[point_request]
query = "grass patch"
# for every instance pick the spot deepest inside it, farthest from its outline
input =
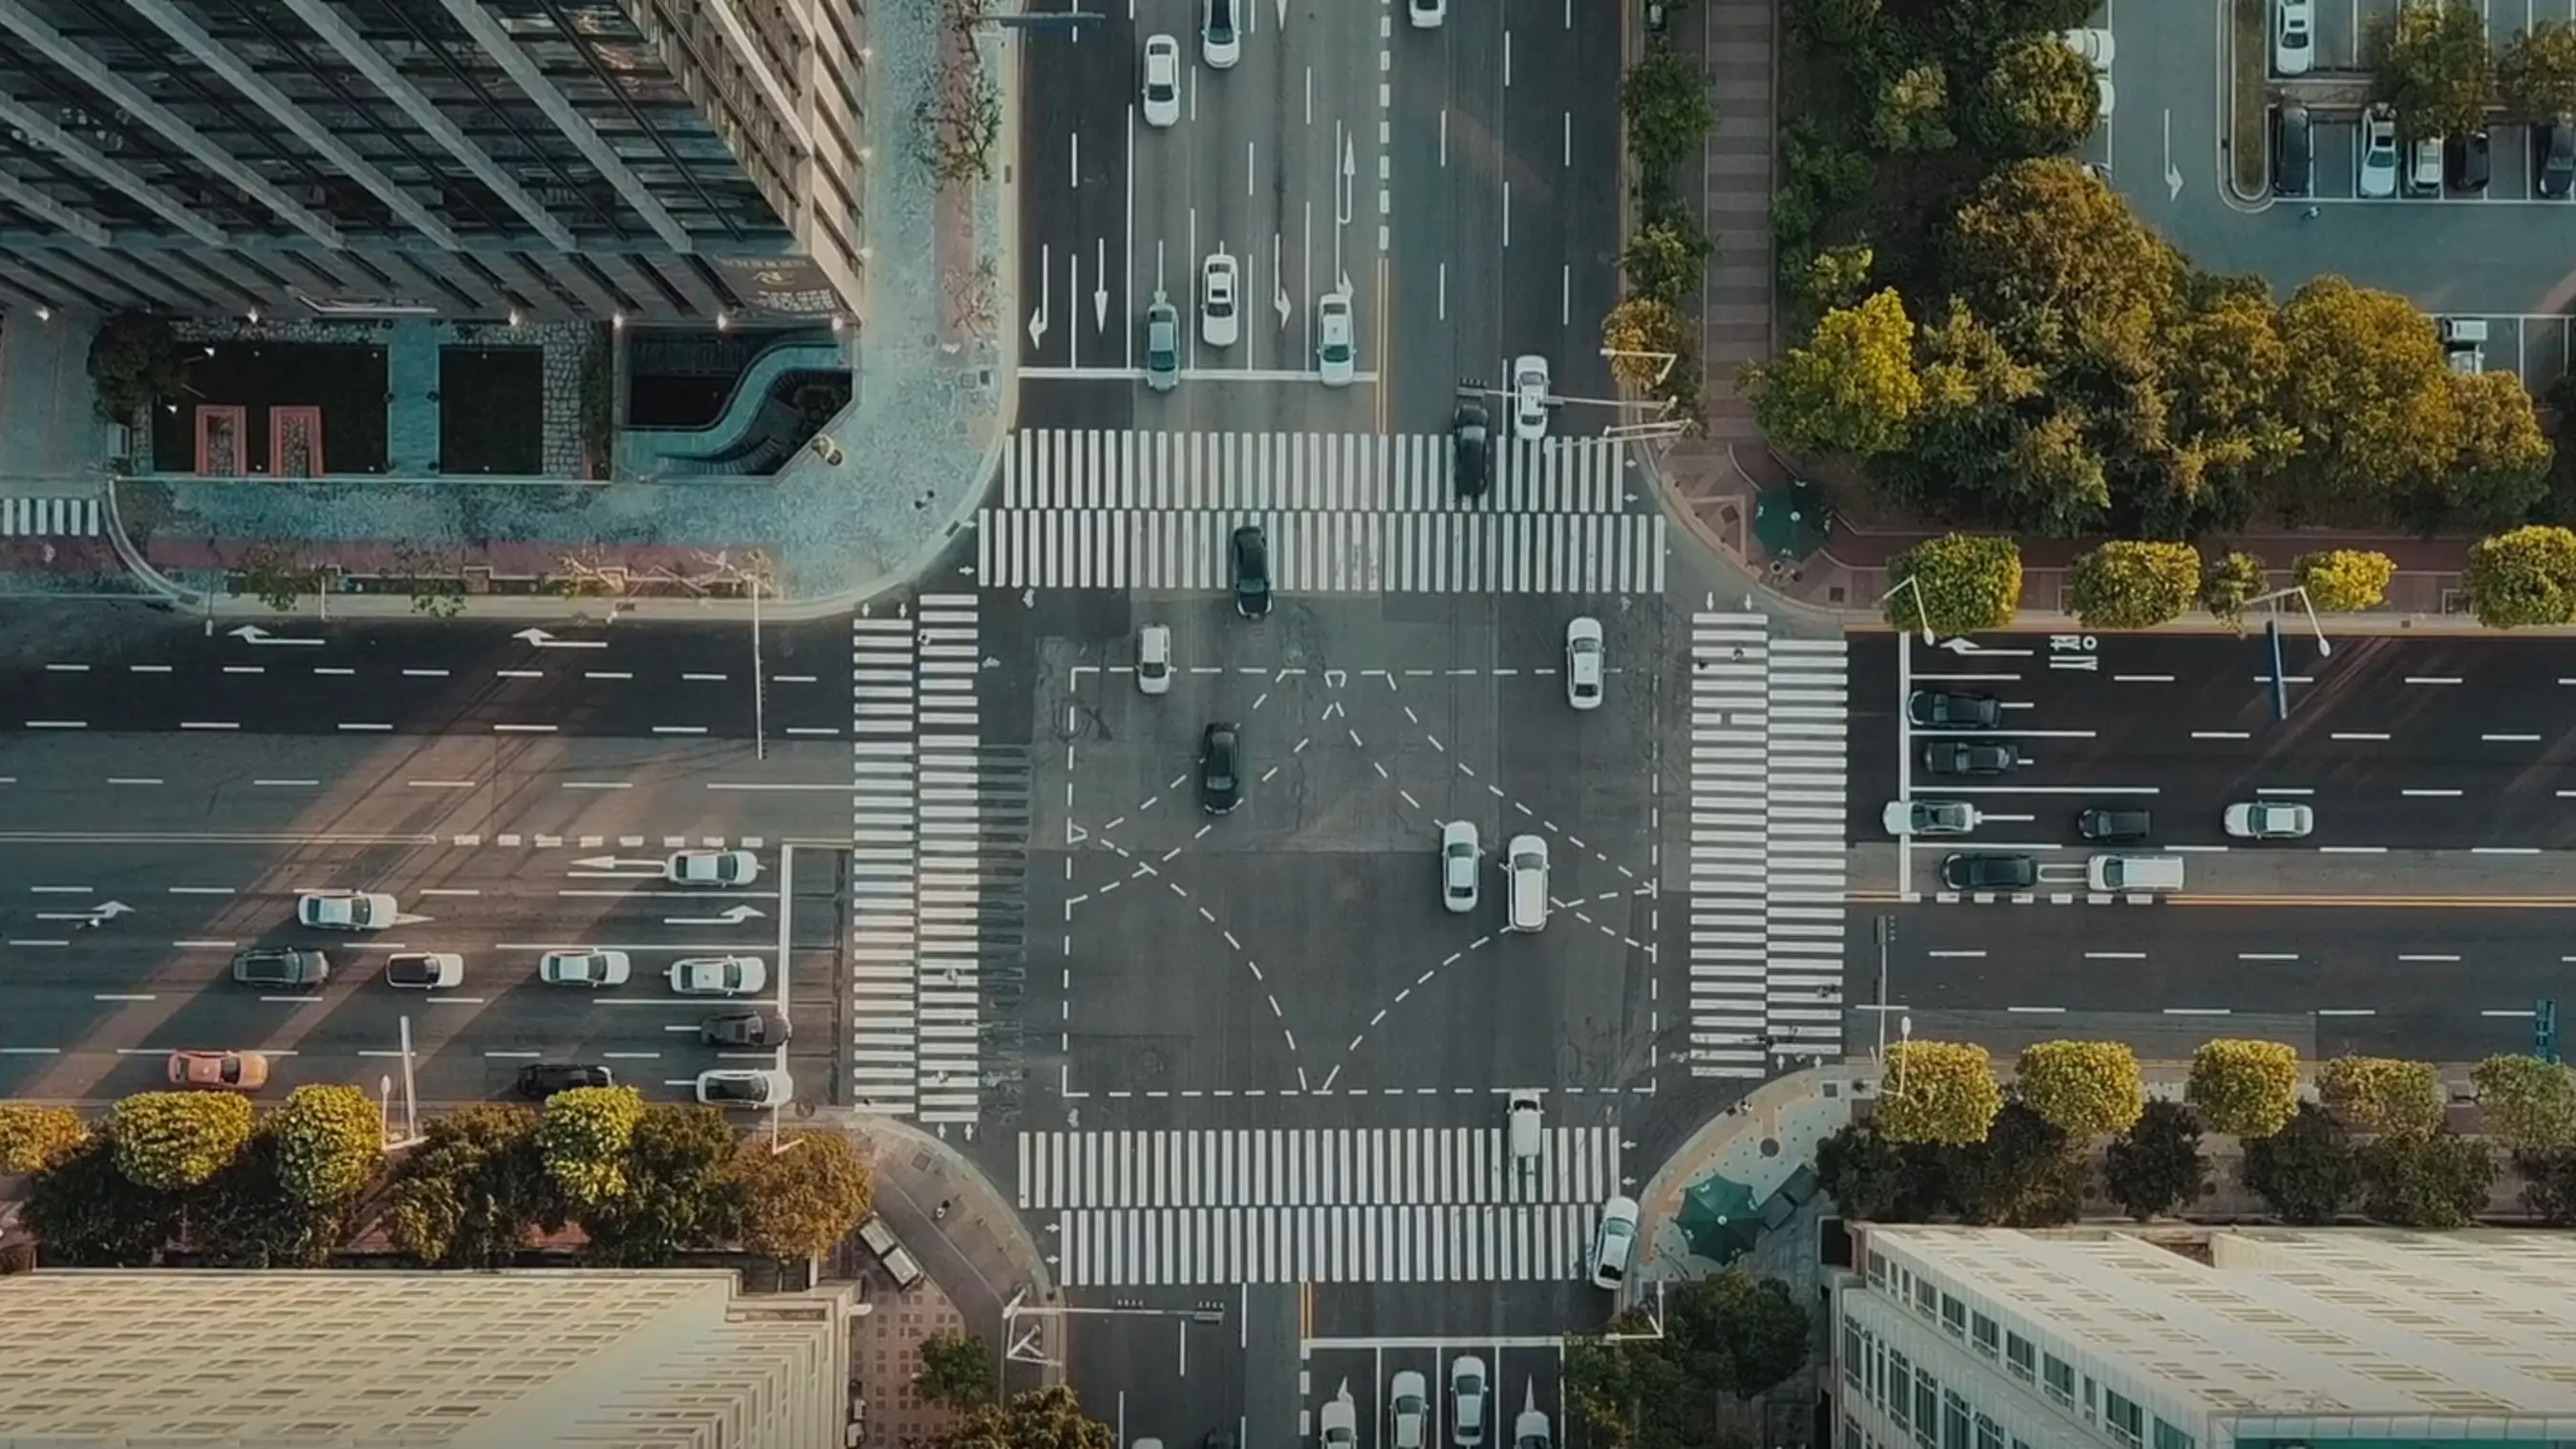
(2250, 76)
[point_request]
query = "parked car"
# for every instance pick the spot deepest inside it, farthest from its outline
(1220, 752)
(1613, 1242)
(2110, 825)
(2467, 158)
(584, 968)
(1529, 1431)
(1251, 571)
(2094, 44)
(1936, 709)
(1219, 41)
(745, 1029)
(2554, 153)
(1585, 669)
(1336, 342)
(282, 966)
(1337, 1423)
(220, 1071)
(727, 975)
(1529, 397)
(1928, 817)
(1469, 1391)
(1162, 345)
(711, 868)
(345, 910)
(1220, 320)
(2378, 153)
(1461, 857)
(1471, 448)
(2294, 37)
(2294, 150)
(1154, 659)
(745, 1087)
(1963, 757)
(425, 970)
(2424, 165)
(1426, 13)
(539, 1080)
(1408, 1399)
(1989, 871)
(1162, 80)
(2269, 820)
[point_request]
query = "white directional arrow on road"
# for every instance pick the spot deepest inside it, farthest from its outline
(611, 862)
(2173, 173)
(1279, 299)
(104, 911)
(1046, 279)
(543, 640)
(253, 634)
(1970, 646)
(1100, 292)
(733, 916)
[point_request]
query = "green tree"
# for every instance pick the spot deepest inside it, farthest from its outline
(2525, 1103)
(330, 1141)
(469, 1194)
(2525, 576)
(1963, 584)
(2369, 393)
(2436, 63)
(170, 1141)
(2022, 1175)
(1851, 389)
(1665, 101)
(2536, 75)
(2244, 1088)
(1914, 111)
(2083, 1088)
(2156, 1166)
(681, 1191)
(1938, 1091)
(2499, 464)
(2308, 1171)
(1838, 275)
(2442, 1180)
(1665, 258)
(584, 1137)
(2549, 1185)
(32, 1136)
(2383, 1095)
(86, 1213)
(956, 1370)
(2228, 583)
(2046, 253)
(1743, 1336)
(2343, 580)
(801, 1199)
(1642, 335)
(134, 362)
(246, 1216)
(1049, 1418)
(1862, 1172)
(1834, 25)
(2039, 99)
(2131, 584)
(2222, 369)
(1726, 1336)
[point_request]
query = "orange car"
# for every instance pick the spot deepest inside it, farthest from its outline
(238, 1071)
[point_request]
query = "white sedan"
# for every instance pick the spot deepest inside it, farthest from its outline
(718, 975)
(1928, 817)
(1426, 13)
(1615, 1242)
(745, 1087)
(1154, 659)
(2294, 37)
(1336, 352)
(584, 968)
(711, 868)
(1220, 315)
(2269, 820)
(345, 910)
(1162, 80)
(1529, 396)
(1219, 40)
(1459, 850)
(1584, 662)
(2378, 153)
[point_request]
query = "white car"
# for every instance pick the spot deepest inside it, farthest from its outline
(1529, 396)
(2094, 45)
(1336, 353)
(425, 970)
(711, 868)
(1154, 659)
(1929, 817)
(345, 910)
(1337, 1423)
(1162, 80)
(2378, 153)
(1529, 1431)
(1467, 1396)
(745, 1087)
(2269, 820)
(1426, 13)
(1459, 851)
(718, 975)
(1220, 312)
(2103, 95)
(1615, 1241)
(584, 968)
(2294, 37)
(1219, 40)
(1408, 1400)
(1584, 662)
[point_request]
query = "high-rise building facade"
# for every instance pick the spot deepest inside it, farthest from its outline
(2265, 1338)
(689, 161)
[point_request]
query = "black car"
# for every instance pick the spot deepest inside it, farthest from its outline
(2293, 150)
(1220, 764)
(1935, 709)
(1979, 871)
(2115, 827)
(2553, 153)
(539, 1080)
(744, 1028)
(1251, 572)
(287, 966)
(2465, 156)
(1471, 448)
(1959, 757)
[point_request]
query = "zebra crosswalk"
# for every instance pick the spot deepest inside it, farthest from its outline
(49, 517)
(1806, 860)
(1479, 1243)
(1052, 468)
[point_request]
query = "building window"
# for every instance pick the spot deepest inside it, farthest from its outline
(1990, 1435)
(2061, 1380)
(1988, 1335)
(2125, 1422)
(1900, 1375)
(2020, 1357)
(1877, 1270)
(1927, 1410)
(1855, 1351)
(1851, 1432)
(2088, 1398)
(1926, 1298)
(1954, 1422)
(2169, 1437)
(1954, 1316)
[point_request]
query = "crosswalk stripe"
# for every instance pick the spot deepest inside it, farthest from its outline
(1051, 469)
(1805, 851)
(1729, 724)
(1411, 1243)
(1311, 1167)
(1314, 552)
(49, 517)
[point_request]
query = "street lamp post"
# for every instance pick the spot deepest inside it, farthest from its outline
(1905, 1039)
(1921, 613)
(2299, 592)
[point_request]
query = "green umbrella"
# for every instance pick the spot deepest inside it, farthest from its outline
(1792, 521)
(1719, 1220)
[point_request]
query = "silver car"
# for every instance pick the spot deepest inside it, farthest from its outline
(1614, 1243)
(1584, 663)
(1162, 345)
(345, 910)
(1336, 350)
(1928, 817)
(718, 975)
(2269, 820)
(1409, 1404)
(1459, 851)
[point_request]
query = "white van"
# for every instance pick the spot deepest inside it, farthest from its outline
(2134, 872)
(1521, 1129)
(1526, 862)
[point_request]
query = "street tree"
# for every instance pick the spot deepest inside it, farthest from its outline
(1834, 25)
(86, 1213)
(2435, 62)
(1851, 389)
(2548, 1185)
(956, 1370)
(2228, 583)
(2343, 580)
(1643, 335)
(329, 1143)
(246, 1216)
(1049, 1418)
(799, 1200)
(1726, 1336)
(584, 1136)
(2083, 1088)
(2308, 1171)
(1838, 275)
(470, 1193)
(135, 361)
(2039, 98)
(2536, 75)
(2521, 578)
(1665, 100)
(1962, 583)
(171, 1141)
(2222, 369)
(2369, 393)
(2383, 1096)
(2054, 261)
(2440, 1181)
(1913, 113)
(960, 116)
(2244, 1088)
(2133, 584)
(2156, 1166)
(2499, 463)
(1739, 1335)
(1665, 258)
(33, 1136)
(2526, 1103)
(2023, 1174)
(1862, 1172)
(680, 1190)
(1938, 1091)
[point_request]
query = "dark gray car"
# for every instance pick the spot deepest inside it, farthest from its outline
(1251, 571)
(1978, 871)
(2554, 150)
(1471, 446)
(744, 1028)
(2294, 151)
(1162, 345)
(1220, 769)
(2111, 826)
(1960, 757)
(291, 967)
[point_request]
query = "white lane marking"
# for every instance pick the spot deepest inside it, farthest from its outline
(248, 669)
(2195, 1011)
(206, 724)
(2433, 956)
(2504, 850)
(2220, 735)
(1955, 955)
(67, 669)
(2356, 735)
(518, 674)
(2431, 794)
(289, 784)
(62, 890)
(164, 669)
(2036, 1010)
(791, 679)
(1941, 785)
(58, 724)
(2282, 790)
(2346, 1011)
(599, 784)
(2142, 679)
(447, 891)
(440, 784)
(606, 674)
(2115, 955)
(133, 780)
(2267, 955)
(812, 730)
(842, 788)
(203, 945)
(2352, 850)
(2432, 679)
(325, 669)
(201, 890)
(523, 729)
(703, 678)
(424, 674)
(347, 726)
(2511, 739)
(679, 729)
(2204, 849)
